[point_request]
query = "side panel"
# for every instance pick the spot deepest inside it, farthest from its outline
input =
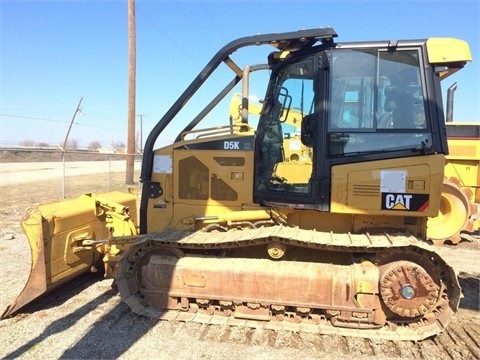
(210, 184)
(398, 187)
(201, 180)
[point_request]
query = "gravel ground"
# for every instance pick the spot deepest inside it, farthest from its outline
(86, 319)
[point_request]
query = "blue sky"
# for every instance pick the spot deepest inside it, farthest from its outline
(55, 52)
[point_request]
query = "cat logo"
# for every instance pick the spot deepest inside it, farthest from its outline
(398, 201)
(405, 202)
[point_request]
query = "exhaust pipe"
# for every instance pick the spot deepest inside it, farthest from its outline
(450, 96)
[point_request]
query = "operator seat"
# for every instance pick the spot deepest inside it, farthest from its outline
(398, 106)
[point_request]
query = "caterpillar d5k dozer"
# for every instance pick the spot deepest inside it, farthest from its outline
(232, 231)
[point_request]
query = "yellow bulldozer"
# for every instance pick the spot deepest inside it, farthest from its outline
(233, 229)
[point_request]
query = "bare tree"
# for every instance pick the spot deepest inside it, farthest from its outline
(27, 142)
(94, 145)
(72, 144)
(118, 145)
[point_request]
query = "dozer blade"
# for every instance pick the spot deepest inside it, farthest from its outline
(36, 284)
(67, 239)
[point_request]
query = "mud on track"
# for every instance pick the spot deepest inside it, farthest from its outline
(86, 318)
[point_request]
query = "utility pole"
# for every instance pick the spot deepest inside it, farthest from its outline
(131, 92)
(64, 148)
(141, 116)
(77, 110)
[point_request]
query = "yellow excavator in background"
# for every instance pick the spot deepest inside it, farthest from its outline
(231, 231)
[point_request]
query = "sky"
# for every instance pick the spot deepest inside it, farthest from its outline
(55, 53)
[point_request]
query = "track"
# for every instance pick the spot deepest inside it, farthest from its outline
(241, 299)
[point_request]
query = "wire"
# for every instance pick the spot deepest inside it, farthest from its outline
(59, 121)
(212, 19)
(33, 118)
(195, 26)
(168, 37)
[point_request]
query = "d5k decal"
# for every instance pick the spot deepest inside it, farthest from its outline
(405, 202)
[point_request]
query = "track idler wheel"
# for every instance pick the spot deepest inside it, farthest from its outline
(453, 215)
(407, 289)
(134, 274)
(419, 291)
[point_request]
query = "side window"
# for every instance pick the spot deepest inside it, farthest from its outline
(376, 102)
(400, 92)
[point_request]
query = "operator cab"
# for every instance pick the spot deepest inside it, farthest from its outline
(346, 103)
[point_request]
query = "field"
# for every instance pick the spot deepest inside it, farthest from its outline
(86, 319)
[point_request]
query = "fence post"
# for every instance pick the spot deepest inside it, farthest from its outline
(109, 170)
(63, 172)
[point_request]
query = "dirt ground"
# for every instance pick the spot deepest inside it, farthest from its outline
(86, 318)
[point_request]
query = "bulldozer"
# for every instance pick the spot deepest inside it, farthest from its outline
(233, 229)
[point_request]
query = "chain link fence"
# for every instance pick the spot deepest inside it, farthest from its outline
(67, 174)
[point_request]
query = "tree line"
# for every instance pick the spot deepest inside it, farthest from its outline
(72, 144)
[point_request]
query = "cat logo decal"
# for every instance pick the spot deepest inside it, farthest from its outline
(404, 202)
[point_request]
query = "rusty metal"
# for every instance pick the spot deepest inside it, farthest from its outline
(347, 295)
(408, 290)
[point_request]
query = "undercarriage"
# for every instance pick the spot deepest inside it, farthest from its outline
(374, 286)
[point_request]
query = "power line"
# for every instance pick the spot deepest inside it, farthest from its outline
(58, 121)
(195, 26)
(187, 55)
(33, 118)
(212, 19)
(168, 37)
